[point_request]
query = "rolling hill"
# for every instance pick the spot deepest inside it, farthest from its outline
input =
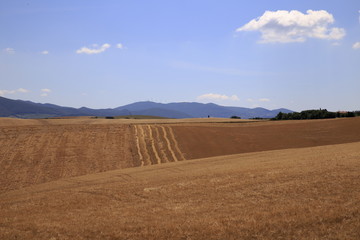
(28, 109)
(82, 178)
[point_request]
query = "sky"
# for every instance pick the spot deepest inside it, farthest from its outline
(104, 54)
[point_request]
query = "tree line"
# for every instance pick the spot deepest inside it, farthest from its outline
(314, 114)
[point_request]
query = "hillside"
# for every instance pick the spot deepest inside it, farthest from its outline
(306, 193)
(86, 178)
(27, 109)
(61, 148)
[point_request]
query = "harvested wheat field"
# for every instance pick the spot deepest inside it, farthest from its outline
(179, 179)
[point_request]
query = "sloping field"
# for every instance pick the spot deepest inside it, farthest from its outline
(156, 144)
(305, 193)
(36, 154)
(39, 151)
(206, 140)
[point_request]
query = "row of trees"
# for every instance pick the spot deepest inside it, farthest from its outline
(314, 114)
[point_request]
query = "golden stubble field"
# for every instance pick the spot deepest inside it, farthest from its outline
(179, 179)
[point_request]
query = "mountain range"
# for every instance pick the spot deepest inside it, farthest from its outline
(28, 109)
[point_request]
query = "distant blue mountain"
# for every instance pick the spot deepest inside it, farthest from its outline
(200, 110)
(27, 109)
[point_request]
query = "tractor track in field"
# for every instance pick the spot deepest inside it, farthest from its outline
(141, 158)
(152, 141)
(36, 152)
(156, 144)
(172, 136)
(168, 144)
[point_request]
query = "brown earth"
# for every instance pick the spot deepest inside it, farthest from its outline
(222, 139)
(37, 154)
(305, 193)
(297, 191)
(38, 151)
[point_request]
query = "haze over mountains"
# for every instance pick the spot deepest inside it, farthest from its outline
(28, 109)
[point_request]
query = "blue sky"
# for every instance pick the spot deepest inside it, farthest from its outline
(103, 54)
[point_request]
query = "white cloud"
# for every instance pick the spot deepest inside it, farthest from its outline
(258, 100)
(214, 96)
(45, 52)
(294, 26)
(4, 92)
(94, 50)
(22, 90)
(9, 50)
(119, 45)
(356, 45)
(45, 92)
(7, 92)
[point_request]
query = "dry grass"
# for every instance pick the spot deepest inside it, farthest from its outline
(38, 151)
(37, 154)
(308, 193)
(295, 192)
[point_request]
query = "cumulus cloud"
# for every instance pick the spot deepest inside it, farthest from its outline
(258, 100)
(45, 52)
(7, 92)
(22, 90)
(95, 50)
(214, 96)
(356, 45)
(9, 50)
(120, 46)
(293, 26)
(45, 92)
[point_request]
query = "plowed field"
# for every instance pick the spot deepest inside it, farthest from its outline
(91, 179)
(38, 151)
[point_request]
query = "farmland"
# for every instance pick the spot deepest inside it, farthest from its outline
(89, 178)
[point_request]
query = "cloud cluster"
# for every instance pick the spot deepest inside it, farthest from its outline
(95, 50)
(6, 92)
(9, 50)
(356, 45)
(45, 92)
(214, 96)
(294, 26)
(258, 100)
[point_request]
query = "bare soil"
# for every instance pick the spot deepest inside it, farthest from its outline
(207, 140)
(89, 178)
(305, 193)
(41, 153)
